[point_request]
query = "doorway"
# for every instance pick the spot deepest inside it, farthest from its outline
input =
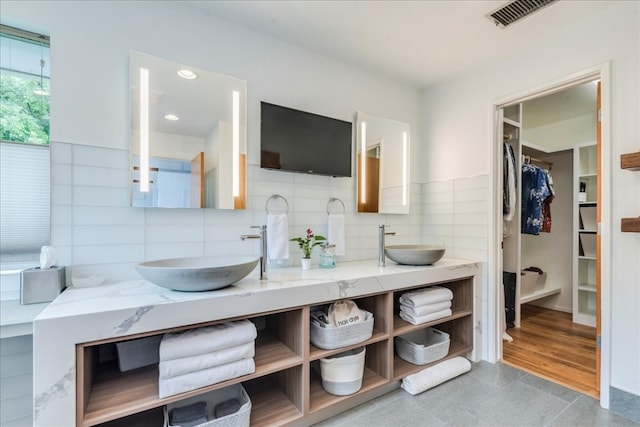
(495, 292)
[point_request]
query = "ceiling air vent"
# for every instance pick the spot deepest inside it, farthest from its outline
(516, 10)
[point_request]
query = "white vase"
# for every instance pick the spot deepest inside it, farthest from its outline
(306, 263)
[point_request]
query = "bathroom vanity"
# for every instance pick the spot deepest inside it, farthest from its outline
(72, 386)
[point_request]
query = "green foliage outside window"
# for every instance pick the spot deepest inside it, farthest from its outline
(24, 115)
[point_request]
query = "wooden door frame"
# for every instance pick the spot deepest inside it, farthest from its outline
(493, 340)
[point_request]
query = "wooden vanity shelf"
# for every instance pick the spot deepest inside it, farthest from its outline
(285, 388)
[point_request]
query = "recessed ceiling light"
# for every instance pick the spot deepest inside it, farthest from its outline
(187, 74)
(171, 117)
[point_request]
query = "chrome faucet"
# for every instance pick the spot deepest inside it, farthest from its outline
(381, 233)
(262, 230)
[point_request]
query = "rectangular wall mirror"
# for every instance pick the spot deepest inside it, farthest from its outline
(188, 136)
(383, 164)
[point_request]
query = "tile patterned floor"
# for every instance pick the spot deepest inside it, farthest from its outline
(491, 395)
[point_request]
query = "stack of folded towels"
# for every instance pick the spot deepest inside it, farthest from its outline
(425, 305)
(203, 356)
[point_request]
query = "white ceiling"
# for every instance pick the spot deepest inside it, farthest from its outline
(417, 42)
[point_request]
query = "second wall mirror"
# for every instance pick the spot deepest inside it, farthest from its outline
(188, 136)
(383, 164)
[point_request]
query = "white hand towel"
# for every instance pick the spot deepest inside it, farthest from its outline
(435, 375)
(421, 310)
(193, 380)
(184, 365)
(417, 320)
(336, 233)
(207, 339)
(278, 236)
(426, 296)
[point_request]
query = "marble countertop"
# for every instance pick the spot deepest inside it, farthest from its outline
(285, 287)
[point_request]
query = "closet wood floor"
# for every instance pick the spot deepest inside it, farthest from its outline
(549, 345)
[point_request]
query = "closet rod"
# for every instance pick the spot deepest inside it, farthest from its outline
(529, 159)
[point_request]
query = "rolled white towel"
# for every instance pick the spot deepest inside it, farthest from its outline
(435, 375)
(193, 380)
(417, 320)
(184, 365)
(426, 296)
(206, 339)
(421, 310)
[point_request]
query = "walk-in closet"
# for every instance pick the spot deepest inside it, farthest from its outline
(549, 235)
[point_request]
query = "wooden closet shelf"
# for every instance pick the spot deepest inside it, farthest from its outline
(630, 161)
(630, 225)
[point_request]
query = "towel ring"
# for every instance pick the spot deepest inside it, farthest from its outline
(333, 199)
(274, 197)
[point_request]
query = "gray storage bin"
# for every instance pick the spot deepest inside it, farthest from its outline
(342, 373)
(241, 418)
(136, 353)
(423, 346)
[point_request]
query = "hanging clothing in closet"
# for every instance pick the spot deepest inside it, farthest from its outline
(509, 183)
(536, 194)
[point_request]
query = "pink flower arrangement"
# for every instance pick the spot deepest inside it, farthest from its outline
(309, 242)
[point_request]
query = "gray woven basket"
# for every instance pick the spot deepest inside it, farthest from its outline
(332, 337)
(423, 346)
(241, 418)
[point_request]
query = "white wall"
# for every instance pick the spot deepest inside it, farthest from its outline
(457, 143)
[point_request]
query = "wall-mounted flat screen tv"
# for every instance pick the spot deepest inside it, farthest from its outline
(298, 141)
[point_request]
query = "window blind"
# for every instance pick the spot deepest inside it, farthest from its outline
(24, 201)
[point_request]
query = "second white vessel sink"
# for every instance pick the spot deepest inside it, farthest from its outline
(414, 254)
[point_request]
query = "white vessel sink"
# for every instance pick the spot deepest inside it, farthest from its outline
(198, 273)
(414, 254)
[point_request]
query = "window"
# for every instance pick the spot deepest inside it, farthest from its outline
(24, 145)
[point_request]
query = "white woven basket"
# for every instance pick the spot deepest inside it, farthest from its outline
(332, 337)
(423, 346)
(241, 418)
(342, 373)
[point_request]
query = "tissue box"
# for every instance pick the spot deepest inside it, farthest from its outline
(41, 285)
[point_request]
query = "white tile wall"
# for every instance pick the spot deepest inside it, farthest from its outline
(16, 390)
(456, 213)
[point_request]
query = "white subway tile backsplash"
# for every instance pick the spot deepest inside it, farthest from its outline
(174, 217)
(108, 254)
(89, 215)
(61, 236)
(60, 152)
(86, 235)
(173, 233)
(100, 176)
(97, 230)
(100, 157)
(16, 386)
(155, 251)
(100, 196)
(61, 174)
(61, 194)
(15, 364)
(61, 215)
(15, 408)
